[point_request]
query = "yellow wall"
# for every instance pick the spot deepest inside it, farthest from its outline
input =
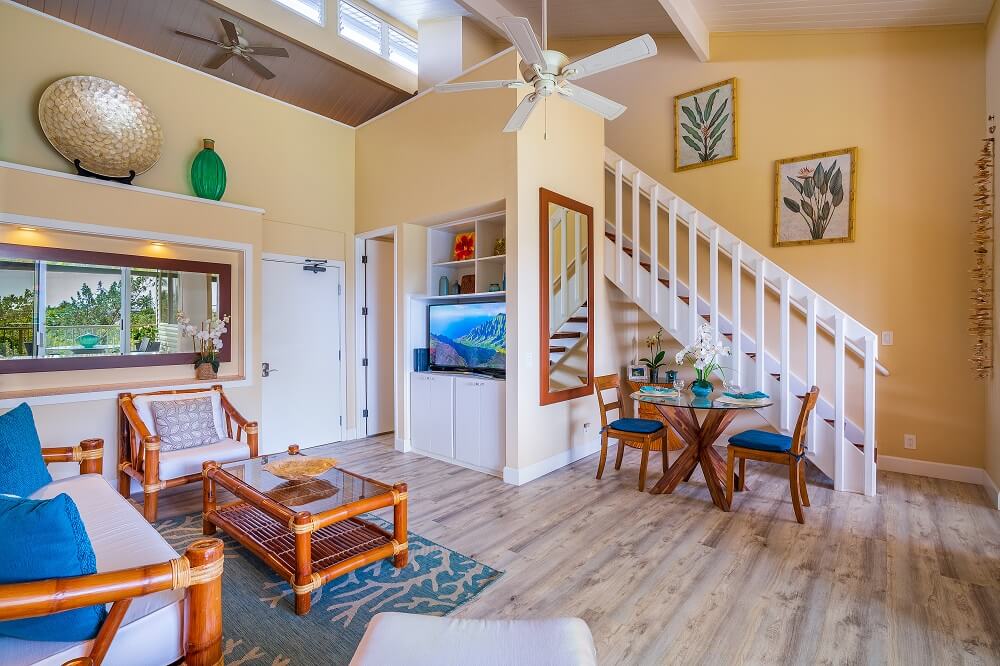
(296, 165)
(993, 390)
(912, 101)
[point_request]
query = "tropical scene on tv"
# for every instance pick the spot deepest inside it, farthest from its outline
(470, 335)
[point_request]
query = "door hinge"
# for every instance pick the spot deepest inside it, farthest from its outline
(364, 312)
(364, 363)
(339, 357)
(364, 413)
(364, 258)
(340, 419)
(340, 291)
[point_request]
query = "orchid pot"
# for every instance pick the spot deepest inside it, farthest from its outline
(207, 343)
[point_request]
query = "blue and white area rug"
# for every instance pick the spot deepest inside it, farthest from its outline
(259, 620)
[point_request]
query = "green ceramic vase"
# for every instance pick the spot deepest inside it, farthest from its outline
(208, 173)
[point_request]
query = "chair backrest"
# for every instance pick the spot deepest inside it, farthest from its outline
(606, 383)
(799, 435)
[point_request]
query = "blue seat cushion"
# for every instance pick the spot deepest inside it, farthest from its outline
(22, 470)
(638, 426)
(43, 539)
(761, 440)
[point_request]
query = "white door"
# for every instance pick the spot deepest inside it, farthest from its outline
(378, 319)
(301, 355)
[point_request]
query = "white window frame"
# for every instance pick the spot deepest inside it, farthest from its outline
(285, 4)
(384, 27)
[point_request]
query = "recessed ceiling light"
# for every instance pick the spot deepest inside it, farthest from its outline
(28, 228)
(156, 243)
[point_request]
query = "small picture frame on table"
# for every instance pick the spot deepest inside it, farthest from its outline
(638, 373)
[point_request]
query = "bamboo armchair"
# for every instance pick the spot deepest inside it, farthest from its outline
(139, 448)
(198, 572)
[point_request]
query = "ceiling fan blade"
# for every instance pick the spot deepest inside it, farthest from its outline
(232, 34)
(259, 68)
(218, 60)
(523, 38)
(198, 37)
(521, 113)
(600, 105)
(477, 85)
(269, 51)
(622, 54)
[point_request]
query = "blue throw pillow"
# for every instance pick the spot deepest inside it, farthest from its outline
(43, 539)
(22, 470)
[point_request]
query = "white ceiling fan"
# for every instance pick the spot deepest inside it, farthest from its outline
(550, 72)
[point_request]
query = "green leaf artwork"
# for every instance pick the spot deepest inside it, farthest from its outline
(821, 192)
(706, 125)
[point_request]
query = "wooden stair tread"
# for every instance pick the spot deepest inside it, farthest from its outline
(566, 335)
(556, 350)
(577, 320)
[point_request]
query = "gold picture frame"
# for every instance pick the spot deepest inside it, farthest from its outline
(796, 218)
(688, 127)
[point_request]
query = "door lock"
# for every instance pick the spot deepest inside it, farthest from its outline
(266, 369)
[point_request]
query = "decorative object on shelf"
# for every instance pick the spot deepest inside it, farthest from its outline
(456, 289)
(638, 373)
(705, 126)
(981, 311)
(500, 247)
(88, 340)
(421, 359)
(814, 198)
(465, 246)
(208, 173)
(443, 285)
(704, 356)
(207, 343)
(300, 468)
(494, 286)
(468, 284)
(100, 126)
(655, 360)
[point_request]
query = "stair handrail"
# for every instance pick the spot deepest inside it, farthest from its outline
(856, 333)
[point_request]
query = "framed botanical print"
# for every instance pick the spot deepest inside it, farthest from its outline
(705, 126)
(814, 198)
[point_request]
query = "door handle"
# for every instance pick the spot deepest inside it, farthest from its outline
(266, 369)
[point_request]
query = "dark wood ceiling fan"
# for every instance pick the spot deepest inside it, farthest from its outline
(235, 44)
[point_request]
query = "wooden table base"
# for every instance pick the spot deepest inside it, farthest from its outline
(699, 439)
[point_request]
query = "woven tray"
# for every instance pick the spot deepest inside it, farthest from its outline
(300, 467)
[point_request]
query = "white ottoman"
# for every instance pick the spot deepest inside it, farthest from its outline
(404, 639)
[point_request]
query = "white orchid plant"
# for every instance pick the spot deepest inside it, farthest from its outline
(207, 338)
(704, 355)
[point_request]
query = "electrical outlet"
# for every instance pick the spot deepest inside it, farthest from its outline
(586, 427)
(909, 441)
(886, 338)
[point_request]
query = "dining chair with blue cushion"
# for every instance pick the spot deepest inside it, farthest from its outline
(642, 434)
(775, 448)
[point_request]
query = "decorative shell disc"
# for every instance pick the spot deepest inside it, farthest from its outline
(101, 123)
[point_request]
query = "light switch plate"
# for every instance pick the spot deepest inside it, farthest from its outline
(886, 338)
(909, 441)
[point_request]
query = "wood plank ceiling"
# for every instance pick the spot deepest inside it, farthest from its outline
(747, 15)
(307, 78)
(596, 18)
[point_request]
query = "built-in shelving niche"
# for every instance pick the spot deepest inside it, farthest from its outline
(487, 267)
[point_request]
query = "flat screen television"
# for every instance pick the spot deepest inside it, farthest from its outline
(468, 337)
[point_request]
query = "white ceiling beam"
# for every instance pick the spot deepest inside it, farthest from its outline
(490, 11)
(690, 24)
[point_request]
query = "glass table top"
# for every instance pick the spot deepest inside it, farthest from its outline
(687, 399)
(323, 491)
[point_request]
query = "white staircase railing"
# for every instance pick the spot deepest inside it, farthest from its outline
(844, 450)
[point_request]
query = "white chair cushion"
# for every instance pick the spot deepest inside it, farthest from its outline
(182, 462)
(424, 640)
(151, 634)
(144, 409)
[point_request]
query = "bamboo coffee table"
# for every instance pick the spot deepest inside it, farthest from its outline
(306, 530)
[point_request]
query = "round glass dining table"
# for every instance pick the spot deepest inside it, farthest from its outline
(680, 410)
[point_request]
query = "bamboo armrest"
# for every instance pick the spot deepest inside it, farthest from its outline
(89, 453)
(44, 597)
(134, 420)
(234, 413)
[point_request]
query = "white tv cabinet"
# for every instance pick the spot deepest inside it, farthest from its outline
(460, 419)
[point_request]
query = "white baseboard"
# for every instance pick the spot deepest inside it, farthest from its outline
(403, 445)
(519, 476)
(991, 489)
(936, 470)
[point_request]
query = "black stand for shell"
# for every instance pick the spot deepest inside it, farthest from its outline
(126, 180)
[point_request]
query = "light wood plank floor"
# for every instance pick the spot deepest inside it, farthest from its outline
(911, 576)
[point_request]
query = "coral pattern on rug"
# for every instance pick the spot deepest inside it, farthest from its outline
(259, 618)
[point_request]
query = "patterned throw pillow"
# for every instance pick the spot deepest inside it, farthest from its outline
(184, 424)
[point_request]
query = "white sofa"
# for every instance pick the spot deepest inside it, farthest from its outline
(152, 631)
(424, 640)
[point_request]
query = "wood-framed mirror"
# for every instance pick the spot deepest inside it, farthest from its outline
(566, 323)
